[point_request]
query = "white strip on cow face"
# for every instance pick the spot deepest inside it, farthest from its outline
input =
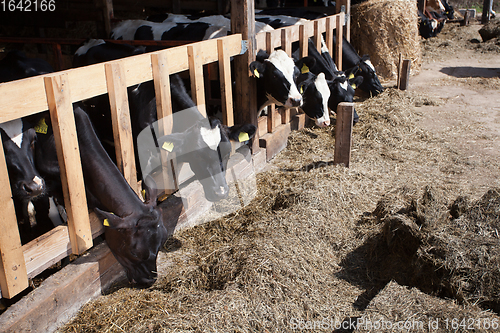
(286, 65)
(369, 63)
(14, 129)
(87, 46)
(343, 85)
(211, 136)
(324, 90)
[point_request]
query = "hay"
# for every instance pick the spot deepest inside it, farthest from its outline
(383, 30)
(415, 311)
(444, 249)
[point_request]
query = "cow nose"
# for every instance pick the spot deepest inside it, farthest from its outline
(295, 101)
(33, 188)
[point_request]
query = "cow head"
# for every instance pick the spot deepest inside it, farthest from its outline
(342, 90)
(371, 82)
(206, 147)
(18, 139)
(136, 239)
(277, 73)
(315, 93)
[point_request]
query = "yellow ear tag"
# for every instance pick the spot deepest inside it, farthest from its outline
(106, 222)
(41, 127)
(301, 90)
(351, 76)
(243, 137)
(304, 69)
(168, 146)
(143, 192)
(256, 73)
(353, 86)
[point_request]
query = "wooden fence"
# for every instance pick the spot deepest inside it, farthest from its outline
(56, 92)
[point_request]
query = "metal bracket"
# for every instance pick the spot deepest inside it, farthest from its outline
(244, 46)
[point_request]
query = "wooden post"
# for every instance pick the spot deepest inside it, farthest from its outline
(196, 75)
(161, 78)
(108, 15)
(331, 23)
(404, 77)
(122, 127)
(338, 45)
(343, 133)
(68, 155)
(13, 275)
(271, 109)
(317, 35)
(226, 89)
(303, 41)
(243, 21)
(400, 62)
(485, 18)
(286, 45)
(345, 7)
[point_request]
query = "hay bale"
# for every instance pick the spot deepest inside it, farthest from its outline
(412, 310)
(385, 28)
(490, 30)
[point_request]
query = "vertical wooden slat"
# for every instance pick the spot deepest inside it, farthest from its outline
(196, 75)
(161, 78)
(330, 25)
(271, 109)
(68, 154)
(343, 133)
(405, 74)
(243, 21)
(225, 83)
(346, 4)
(399, 70)
(338, 45)
(13, 275)
(122, 127)
(286, 45)
(317, 35)
(303, 41)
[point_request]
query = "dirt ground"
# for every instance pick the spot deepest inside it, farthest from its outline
(312, 251)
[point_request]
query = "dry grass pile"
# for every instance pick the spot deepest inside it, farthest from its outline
(447, 249)
(409, 309)
(383, 30)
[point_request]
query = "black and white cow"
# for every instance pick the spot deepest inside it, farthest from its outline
(276, 80)
(360, 66)
(18, 139)
(94, 51)
(204, 163)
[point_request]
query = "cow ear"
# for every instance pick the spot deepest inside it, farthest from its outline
(150, 191)
(305, 64)
(172, 143)
(257, 68)
(241, 133)
(110, 220)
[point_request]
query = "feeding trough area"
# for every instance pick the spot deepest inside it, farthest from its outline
(301, 242)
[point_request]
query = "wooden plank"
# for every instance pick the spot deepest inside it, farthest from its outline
(262, 126)
(318, 28)
(13, 277)
(243, 21)
(68, 154)
(285, 115)
(275, 142)
(122, 127)
(344, 6)
(343, 134)
(60, 297)
(400, 62)
(331, 24)
(286, 43)
(338, 45)
(196, 75)
(161, 76)
(16, 103)
(405, 74)
(226, 89)
(271, 109)
(51, 247)
(303, 41)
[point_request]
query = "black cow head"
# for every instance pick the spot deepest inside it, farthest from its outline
(206, 147)
(18, 140)
(342, 90)
(277, 73)
(136, 239)
(371, 82)
(316, 93)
